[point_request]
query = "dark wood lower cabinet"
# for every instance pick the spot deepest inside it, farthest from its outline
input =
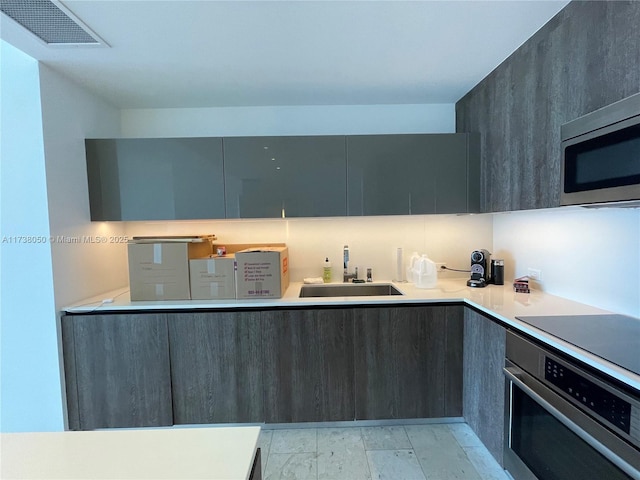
(484, 384)
(453, 361)
(216, 367)
(117, 371)
(308, 365)
(408, 362)
(273, 366)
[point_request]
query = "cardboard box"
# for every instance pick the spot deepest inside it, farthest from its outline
(212, 277)
(262, 272)
(237, 247)
(160, 271)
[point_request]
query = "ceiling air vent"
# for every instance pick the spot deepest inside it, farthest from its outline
(50, 21)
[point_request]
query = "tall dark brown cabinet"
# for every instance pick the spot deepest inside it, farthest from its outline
(586, 57)
(484, 384)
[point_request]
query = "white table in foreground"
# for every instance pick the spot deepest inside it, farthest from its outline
(219, 453)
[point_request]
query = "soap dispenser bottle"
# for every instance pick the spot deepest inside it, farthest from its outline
(326, 271)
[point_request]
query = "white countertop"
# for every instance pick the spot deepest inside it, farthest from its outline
(500, 302)
(219, 453)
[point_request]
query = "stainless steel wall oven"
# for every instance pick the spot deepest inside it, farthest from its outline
(563, 422)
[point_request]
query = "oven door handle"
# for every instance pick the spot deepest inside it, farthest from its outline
(514, 375)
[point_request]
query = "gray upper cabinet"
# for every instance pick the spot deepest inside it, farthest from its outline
(273, 177)
(155, 178)
(412, 174)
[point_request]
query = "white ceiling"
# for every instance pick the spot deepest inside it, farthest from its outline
(205, 53)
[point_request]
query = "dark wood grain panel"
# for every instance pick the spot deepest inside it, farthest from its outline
(216, 367)
(483, 392)
(70, 376)
(586, 57)
(453, 361)
(400, 362)
(308, 365)
(122, 366)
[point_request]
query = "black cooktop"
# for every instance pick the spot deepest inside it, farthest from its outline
(615, 338)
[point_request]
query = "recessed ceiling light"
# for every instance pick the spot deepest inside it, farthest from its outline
(51, 22)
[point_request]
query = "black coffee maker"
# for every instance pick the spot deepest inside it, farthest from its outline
(480, 269)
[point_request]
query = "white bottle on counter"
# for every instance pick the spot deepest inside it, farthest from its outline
(411, 268)
(426, 273)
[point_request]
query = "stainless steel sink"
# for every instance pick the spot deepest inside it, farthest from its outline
(349, 290)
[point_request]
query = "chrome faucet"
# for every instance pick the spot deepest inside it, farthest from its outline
(346, 277)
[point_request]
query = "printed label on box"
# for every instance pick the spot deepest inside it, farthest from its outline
(262, 273)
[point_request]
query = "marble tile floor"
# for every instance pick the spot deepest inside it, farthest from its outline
(399, 452)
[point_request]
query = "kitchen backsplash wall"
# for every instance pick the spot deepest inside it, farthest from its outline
(372, 240)
(588, 255)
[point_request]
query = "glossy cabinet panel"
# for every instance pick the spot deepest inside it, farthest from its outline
(273, 177)
(155, 178)
(390, 175)
(409, 174)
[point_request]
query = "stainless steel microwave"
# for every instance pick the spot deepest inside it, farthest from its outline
(601, 155)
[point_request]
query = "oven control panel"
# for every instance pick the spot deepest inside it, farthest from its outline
(603, 403)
